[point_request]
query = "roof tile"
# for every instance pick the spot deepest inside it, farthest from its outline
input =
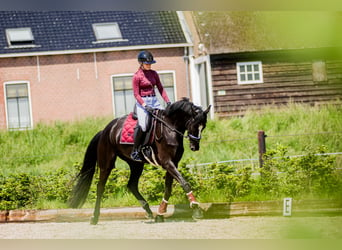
(72, 30)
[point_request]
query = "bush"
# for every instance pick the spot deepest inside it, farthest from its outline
(21, 190)
(17, 191)
(311, 175)
(55, 186)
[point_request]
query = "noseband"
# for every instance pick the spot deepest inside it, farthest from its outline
(195, 138)
(190, 136)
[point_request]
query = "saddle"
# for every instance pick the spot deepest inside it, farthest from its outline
(127, 137)
(127, 133)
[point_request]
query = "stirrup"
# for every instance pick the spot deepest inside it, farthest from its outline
(147, 152)
(135, 156)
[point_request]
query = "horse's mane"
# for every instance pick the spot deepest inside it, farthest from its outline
(182, 105)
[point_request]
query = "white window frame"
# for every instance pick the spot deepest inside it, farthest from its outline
(112, 88)
(174, 84)
(157, 92)
(245, 64)
(102, 38)
(22, 36)
(29, 103)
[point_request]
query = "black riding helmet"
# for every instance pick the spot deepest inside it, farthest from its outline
(146, 57)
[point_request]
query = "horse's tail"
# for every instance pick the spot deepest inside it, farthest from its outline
(84, 178)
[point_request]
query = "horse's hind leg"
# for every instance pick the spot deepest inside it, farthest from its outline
(104, 174)
(136, 171)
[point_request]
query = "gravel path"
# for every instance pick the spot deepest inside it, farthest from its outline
(233, 228)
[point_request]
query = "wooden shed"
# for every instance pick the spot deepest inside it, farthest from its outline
(261, 58)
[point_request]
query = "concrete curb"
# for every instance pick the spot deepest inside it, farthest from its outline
(210, 211)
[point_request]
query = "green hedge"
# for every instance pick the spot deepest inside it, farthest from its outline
(309, 176)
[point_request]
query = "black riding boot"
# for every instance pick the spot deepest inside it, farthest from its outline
(139, 137)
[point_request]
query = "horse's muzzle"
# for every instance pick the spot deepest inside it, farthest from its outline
(194, 147)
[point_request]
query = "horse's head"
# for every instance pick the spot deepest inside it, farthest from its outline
(188, 117)
(195, 126)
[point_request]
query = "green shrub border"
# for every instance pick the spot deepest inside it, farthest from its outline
(309, 176)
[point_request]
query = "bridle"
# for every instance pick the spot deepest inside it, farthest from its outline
(195, 138)
(189, 136)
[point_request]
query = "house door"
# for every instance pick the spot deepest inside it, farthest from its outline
(203, 83)
(201, 87)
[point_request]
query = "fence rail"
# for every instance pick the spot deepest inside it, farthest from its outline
(253, 160)
(261, 137)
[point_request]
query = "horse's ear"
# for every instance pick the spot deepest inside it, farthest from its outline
(207, 110)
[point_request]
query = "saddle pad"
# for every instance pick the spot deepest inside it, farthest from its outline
(127, 133)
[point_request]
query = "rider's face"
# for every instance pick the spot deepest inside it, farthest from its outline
(146, 66)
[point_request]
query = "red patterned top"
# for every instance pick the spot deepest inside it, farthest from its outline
(144, 82)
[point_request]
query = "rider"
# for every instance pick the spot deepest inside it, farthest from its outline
(144, 81)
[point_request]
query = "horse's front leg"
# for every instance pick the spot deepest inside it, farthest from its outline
(163, 205)
(174, 173)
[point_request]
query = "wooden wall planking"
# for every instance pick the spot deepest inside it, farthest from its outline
(284, 82)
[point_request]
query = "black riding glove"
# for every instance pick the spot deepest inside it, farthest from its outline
(149, 109)
(168, 104)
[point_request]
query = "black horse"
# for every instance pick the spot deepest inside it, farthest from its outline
(167, 150)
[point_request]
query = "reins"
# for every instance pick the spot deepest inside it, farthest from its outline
(168, 126)
(189, 136)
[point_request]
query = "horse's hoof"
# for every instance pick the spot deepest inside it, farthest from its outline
(197, 212)
(93, 221)
(149, 216)
(159, 218)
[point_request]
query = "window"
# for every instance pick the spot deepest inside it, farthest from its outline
(20, 37)
(107, 32)
(18, 106)
(123, 93)
(167, 79)
(249, 72)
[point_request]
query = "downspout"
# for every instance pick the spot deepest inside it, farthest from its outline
(38, 69)
(95, 66)
(187, 79)
(187, 51)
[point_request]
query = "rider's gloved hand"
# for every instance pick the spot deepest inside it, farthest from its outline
(168, 104)
(149, 109)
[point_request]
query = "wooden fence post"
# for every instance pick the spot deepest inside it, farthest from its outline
(262, 146)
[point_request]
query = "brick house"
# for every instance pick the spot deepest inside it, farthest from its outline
(68, 65)
(270, 57)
